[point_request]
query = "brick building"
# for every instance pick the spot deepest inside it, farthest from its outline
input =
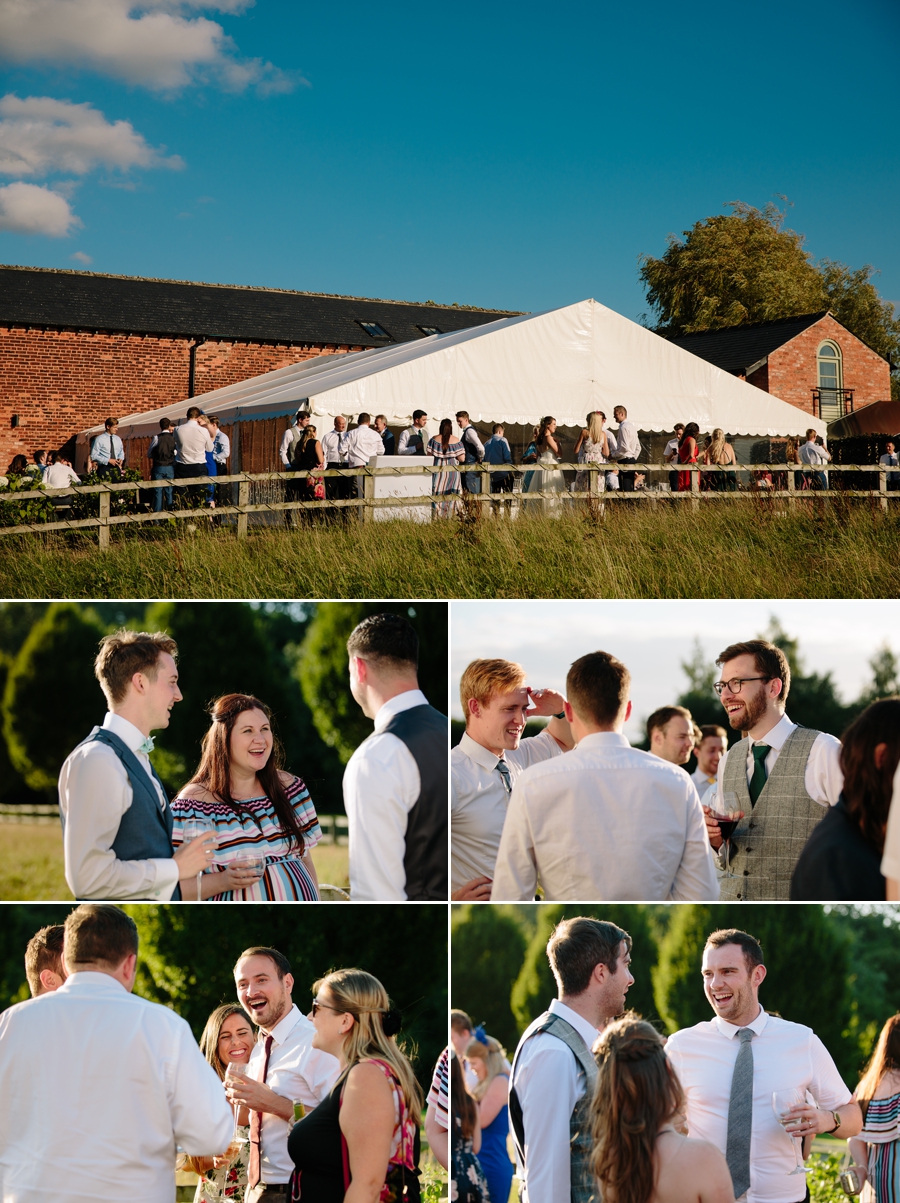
(812, 362)
(76, 347)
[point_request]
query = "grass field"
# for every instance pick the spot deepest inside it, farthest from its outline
(31, 869)
(743, 547)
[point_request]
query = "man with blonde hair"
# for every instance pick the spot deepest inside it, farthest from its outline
(488, 759)
(117, 822)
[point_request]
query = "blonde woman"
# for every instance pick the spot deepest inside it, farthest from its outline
(487, 1061)
(720, 452)
(592, 448)
(876, 1151)
(638, 1155)
(228, 1037)
(362, 1136)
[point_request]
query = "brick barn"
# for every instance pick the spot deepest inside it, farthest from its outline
(78, 347)
(812, 362)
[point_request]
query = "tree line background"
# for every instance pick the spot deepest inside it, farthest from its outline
(187, 956)
(293, 656)
(813, 701)
(835, 969)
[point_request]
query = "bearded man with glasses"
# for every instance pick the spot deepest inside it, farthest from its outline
(784, 776)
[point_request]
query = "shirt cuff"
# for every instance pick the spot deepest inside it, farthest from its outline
(166, 878)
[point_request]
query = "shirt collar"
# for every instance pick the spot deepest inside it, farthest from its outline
(126, 731)
(777, 737)
(606, 739)
(585, 1030)
(479, 753)
(731, 1030)
(87, 979)
(403, 701)
(283, 1027)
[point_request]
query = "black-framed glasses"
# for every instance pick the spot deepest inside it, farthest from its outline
(317, 1006)
(735, 684)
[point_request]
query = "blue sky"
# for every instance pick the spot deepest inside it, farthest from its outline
(502, 155)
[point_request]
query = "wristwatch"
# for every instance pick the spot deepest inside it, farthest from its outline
(562, 714)
(836, 1116)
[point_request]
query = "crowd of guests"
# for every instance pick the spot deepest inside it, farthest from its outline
(576, 813)
(103, 1095)
(596, 1104)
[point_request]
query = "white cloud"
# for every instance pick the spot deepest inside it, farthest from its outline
(30, 209)
(153, 44)
(81, 257)
(40, 135)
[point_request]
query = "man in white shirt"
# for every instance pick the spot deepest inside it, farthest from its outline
(107, 450)
(782, 775)
(709, 751)
(474, 451)
(60, 474)
(816, 456)
(605, 822)
(553, 1070)
(98, 1086)
(117, 822)
(363, 443)
(45, 968)
(412, 439)
(890, 459)
(670, 733)
(487, 761)
(283, 1067)
(628, 447)
(334, 449)
(192, 442)
(395, 783)
(730, 1104)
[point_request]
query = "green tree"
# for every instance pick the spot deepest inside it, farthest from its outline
(822, 1000)
(700, 697)
(813, 700)
(885, 676)
(534, 987)
(488, 949)
(873, 953)
(19, 924)
(51, 699)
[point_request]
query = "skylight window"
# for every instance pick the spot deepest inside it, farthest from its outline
(374, 330)
(430, 330)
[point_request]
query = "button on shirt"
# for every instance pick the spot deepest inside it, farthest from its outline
(381, 786)
(362, 444)
(94, 793)
(296, 1071)
(97, 1086)
(785, 1056)
(549, 1082)
(334, 447)
(478, 801)
(823, 778)
(605, 823)
(192, 442)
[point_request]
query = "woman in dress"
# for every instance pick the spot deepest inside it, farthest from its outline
(228, 1037)
(362, 1136)
(592, 448)
(719, 451)
(550, 479)
(687, 454)
(467, 1181)
(488, 1061)
(876, 1151)
(446, 451)
(638, 1155)
(311, 458)
(259, 811)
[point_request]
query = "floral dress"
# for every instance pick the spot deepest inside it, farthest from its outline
(256, 829)
(229, 1181)
(467, 1181)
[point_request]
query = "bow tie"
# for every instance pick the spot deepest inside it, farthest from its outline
(147, 746)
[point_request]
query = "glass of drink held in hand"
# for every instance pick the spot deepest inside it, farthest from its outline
(728, 814)
(195, 829)
(251, 862)
(782, 1101)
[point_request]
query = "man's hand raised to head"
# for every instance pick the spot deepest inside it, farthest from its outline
(546, 702)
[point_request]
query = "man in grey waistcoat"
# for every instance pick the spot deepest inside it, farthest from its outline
(783, 776)
(116, 818)
(553, 1070)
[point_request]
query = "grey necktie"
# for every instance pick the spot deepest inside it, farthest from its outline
(740, 1116)
(503, 770)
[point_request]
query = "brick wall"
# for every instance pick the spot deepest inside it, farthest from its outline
(793, 374)
(60, 381)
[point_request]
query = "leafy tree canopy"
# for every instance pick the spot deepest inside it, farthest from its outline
(488, 947)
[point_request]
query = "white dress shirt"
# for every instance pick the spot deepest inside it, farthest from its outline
(407, 436)
(814, 455)
(605, 823)
(362, 443)
(702, 781)
(94, 793)
(192, 442)
(97, 1087)
(628, 445)
(334, 446)
(296, 1071)
(221, 447)
(786, 1056)
(58, 476)
(823, 778)
(478, 801)
(890, 865)
(549, 1082)
(381, 786)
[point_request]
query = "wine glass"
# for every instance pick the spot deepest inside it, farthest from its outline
(781, 1101)
(728, 814)
(194, 829)
(254, 862)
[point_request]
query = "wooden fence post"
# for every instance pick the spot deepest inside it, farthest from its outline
(369, 498)
(243, 499)
(882, 488)
(103, 529)
(695, 489)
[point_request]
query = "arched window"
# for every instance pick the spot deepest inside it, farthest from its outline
(831, 381)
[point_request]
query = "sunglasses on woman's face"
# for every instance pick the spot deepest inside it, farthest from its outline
(317, 1006)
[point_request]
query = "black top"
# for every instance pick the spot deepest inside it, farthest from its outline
(307, 459)
(837, 864)
(314, 1145)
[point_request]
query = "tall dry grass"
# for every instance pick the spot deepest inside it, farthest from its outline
(743, 547)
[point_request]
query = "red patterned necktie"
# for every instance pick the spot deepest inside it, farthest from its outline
(256, 1125)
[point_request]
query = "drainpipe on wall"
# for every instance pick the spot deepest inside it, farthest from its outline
(192, 361)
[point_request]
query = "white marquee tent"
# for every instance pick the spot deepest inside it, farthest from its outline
(565, 362)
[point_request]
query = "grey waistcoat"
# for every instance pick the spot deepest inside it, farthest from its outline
(584, 1188)
(770, 837)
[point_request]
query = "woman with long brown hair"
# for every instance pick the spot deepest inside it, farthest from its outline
(266, 825)
(469, 1182)
(876, 1151)
(310, 457)
(639, 1156)
(687, 454)
(550, 479)
(228, 1038)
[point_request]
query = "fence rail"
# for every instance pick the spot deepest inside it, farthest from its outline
(746, 477)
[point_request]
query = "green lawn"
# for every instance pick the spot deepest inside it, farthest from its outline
(31, 869)
(746, 547)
